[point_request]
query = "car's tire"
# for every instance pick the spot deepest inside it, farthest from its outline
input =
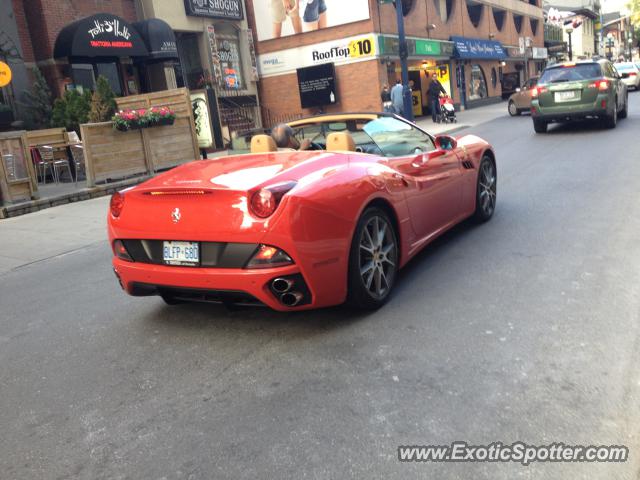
(611, 121)
(513, 110)
(540, 126)
(373, 261)
(625, 111)
(486, 190)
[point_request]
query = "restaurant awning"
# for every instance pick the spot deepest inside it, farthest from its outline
(475, 48)
(101, 35)
(159, 39)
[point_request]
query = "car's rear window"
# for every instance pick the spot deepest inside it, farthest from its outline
(572, 73)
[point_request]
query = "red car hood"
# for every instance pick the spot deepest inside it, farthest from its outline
(243, 172)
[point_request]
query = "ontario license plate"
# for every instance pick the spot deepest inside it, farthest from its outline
(181, 253)
(567, 96)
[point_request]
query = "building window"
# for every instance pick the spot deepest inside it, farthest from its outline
(475, 9)
(534, 25)
(444, 8)
(498, 17)
(478, 84)
(191, 73)
(517, 21)
(494, 77)
(228, 40)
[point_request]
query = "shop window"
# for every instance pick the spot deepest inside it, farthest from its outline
(444, 8)
(228, 39)
(478, 84)
(534, 25)
(533, 2)
(494, 77)
(110, 72)
(475, 9)
(498, 17)
(517, 21)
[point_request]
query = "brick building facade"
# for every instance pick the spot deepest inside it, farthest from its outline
(40, 21)
(430, 26)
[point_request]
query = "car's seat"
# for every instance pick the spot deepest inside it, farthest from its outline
(263, 144)
(340, 142)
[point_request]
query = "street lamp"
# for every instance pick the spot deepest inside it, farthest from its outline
(569, 32)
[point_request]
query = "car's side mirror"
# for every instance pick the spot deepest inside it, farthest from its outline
(446, 142)
(518, 90)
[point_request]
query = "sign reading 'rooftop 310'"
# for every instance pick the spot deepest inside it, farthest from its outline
(228, 9)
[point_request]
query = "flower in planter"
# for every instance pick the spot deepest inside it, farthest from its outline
(126, 120)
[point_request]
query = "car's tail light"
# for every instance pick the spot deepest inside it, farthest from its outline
(633, 74)
(269, 257)
(120, 251)
(537, 91)
(116, 204)
(265, 201)
(601, 85)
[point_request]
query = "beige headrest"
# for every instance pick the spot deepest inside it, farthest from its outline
(262, 144)
(340, 142)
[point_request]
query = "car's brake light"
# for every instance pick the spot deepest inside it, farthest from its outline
(265, 201)
(117, 203)
(600, 85)
(537, 91)
(269, 257)
(633, 74)
(120, 251)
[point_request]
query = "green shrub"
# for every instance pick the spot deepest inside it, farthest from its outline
(103, 104)
(38, 103)
(71, 110)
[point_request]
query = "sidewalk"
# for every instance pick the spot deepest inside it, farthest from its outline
(466, 119)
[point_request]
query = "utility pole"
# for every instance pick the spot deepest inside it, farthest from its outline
(404, 53)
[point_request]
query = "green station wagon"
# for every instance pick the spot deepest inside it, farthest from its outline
(578, 90)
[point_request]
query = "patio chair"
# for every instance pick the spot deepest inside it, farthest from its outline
(77, 152)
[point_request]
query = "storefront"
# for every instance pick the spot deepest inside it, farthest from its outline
(426, 57)
(215, 53)
(477, 66)
(102, 44)
(513, 71)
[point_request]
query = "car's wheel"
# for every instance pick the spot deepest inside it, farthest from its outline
(486, 190)
(513, 110)
(540, 126)
(611, 121)
(373, 260)
(625, 111)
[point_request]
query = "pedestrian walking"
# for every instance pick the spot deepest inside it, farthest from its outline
(385, 96)
(397, 99)
(434, 91)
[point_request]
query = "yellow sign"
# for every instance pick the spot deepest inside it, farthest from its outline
(362, 47)
(5, 74)
(416, 101)
(443, 76)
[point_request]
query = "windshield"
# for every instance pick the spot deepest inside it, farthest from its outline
(572, 73)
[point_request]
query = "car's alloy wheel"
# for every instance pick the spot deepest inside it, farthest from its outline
(373, 262)
(513, 110)
(486, 190)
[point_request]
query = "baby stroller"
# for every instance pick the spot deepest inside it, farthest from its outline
(447, 112)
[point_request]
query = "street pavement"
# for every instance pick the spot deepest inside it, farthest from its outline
(525, 328)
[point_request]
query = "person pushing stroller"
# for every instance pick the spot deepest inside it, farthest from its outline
(434, 91)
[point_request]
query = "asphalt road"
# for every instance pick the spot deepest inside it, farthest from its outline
(522, 329)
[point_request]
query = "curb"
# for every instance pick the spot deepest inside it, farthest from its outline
(84, 194)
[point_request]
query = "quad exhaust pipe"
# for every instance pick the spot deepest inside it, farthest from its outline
(291, 299)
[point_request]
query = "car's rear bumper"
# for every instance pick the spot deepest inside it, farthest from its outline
(631, 82)
(240, 286)
(599, 109)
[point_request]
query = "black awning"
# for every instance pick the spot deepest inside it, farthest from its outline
(101, 35)
(158, 38)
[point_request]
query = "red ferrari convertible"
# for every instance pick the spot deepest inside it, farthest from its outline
(297, 230)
